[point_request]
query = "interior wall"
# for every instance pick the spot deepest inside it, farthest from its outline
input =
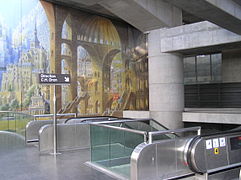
(231, 66)
(24, 52)
(107, 60)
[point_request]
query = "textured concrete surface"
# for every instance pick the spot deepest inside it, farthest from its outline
(219, 117)
(170, 119)
(212, 10)
(166, 97)
(231, 65)
(166, 88)
(142, 14)
(145, 15)
(21, 162)
(136, 114)
(238, 2)
(198, 37)
(152, 14)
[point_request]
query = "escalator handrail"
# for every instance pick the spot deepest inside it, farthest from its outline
(87, 117)
(235, 130)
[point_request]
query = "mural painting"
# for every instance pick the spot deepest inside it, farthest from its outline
(24, 52)
(106, 58)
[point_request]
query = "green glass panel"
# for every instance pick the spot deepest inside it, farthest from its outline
(14, 122)
(112, 148)
(99, 143)
(3, 121)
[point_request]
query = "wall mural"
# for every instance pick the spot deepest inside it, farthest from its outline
(107, 61)
(24, 52)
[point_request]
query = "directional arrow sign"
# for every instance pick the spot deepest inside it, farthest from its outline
(54, 78)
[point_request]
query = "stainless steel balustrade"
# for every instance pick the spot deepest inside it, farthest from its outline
(124, 120)
(113, 143)
(159, 156)
(89, 119)
(33, 127)
(209, 157)
(162, 159)
(75, 135)
(69, 137)
(183, 130)
(32, 130)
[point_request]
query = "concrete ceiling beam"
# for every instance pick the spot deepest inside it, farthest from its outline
(225, 13)
(145, 15)
(198, 38)
(238, 2)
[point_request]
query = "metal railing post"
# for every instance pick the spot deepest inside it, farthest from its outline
(145, 137)
(150, 138)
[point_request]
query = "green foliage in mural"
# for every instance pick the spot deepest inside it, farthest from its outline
(24, 53)
(29, 94)
(109, 62)
(14, 104)
(5, 107)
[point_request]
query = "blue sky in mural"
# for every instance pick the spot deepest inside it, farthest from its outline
(11, 10)
(18, 21)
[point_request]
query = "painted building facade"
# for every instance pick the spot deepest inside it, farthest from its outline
(106, 58)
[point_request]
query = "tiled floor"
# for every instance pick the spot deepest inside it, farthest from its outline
(21, 162)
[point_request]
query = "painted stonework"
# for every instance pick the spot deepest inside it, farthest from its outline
(107, 61)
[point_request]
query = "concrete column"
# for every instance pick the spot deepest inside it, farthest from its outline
(231, 66)
(166, 88)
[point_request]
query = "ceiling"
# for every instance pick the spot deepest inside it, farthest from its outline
(92, 6)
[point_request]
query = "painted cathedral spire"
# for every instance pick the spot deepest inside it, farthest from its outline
(35, 43)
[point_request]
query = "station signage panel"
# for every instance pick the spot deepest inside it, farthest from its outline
(54, 79)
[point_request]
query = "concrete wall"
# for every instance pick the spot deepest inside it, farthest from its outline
(231, 66)
(136, 114)
(220, 117)
(196, 38)
(145, 15)
(224, 13)
(166, 88)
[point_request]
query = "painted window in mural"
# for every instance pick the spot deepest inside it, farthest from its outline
(107, 60)
(65, 50)
(24, 52)
(67, 30)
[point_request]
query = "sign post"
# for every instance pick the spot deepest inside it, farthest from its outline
(54, 79)
(55, 122)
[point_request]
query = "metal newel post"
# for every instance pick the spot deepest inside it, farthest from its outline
(145, 137)
(55, 123)
(150, 138)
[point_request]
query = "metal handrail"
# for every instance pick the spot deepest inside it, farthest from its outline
(50, 115)
(173, 131)
(16, 112)
(144, 133)
(84, 118)
(122, 120)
